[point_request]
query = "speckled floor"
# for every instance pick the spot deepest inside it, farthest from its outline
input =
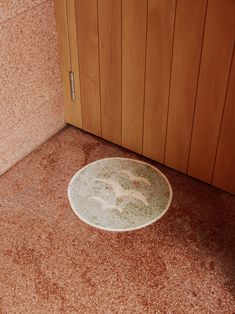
(51, 262)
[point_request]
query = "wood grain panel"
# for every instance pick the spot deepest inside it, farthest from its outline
(87, 32)
(161, 16)
(74, 61)
(109, 13)
(65, 66)
(134, 20)
(153, 78)
(190, 17)
(224, 174)
(215, 64)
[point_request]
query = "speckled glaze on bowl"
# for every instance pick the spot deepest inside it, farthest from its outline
(119, 194)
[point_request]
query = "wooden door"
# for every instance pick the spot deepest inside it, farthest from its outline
(154, 76)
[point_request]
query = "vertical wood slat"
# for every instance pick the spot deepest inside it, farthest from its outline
(74, 61)
(109, 13)
(215, 65)
(161, 16)
(65, 66)
(224, 173)
(134, 20)
(88, 50)
(190, 17)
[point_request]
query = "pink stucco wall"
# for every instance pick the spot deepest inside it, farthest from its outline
(31, 105)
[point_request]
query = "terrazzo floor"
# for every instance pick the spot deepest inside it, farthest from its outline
(51, 262)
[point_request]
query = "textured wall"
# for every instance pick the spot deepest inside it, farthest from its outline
(31, 105)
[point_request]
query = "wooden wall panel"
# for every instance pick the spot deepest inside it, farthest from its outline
(161, 15)
(189, 26)
(65, 65)
(134, 20)
(109, 12)
(153, 78)
(74, 61)
(88, 50)
(215, 65)
(224, 173)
